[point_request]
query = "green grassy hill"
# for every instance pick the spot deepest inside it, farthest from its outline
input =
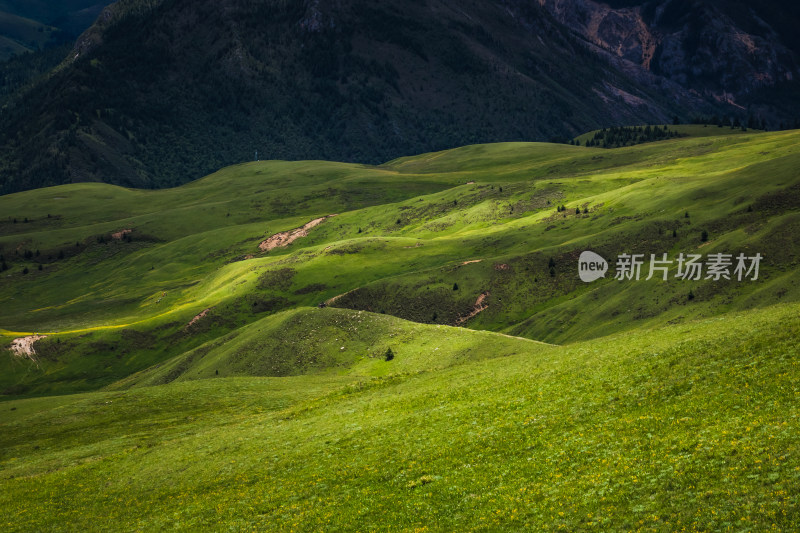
(312, 341)
(483, 218)
(690, 426)
(423, 354)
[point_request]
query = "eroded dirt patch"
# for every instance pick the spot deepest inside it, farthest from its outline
(23, 347)
(479, 307)
(285, 238)
(121, 234)
(333, 300)
(198, 318)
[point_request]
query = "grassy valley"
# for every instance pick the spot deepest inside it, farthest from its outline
(332, 346)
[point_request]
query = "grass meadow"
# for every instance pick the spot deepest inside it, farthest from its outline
(425, 360)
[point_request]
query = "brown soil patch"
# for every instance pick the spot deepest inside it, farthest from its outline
(471, 262)
(501, 266)
(285, 238)
(479, 307)
(23, 347)
(198, 318)
(121, 234)
(333, 300)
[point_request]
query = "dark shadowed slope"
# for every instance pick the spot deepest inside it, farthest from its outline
(157, 93)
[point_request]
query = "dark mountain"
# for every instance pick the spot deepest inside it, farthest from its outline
(744, 54)
(159, 92)
(69, 15)
(28, 25)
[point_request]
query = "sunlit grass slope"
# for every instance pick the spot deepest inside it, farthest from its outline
(190, 380)
(422, 238)
(684, 427)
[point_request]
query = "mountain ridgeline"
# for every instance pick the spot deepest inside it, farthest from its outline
(159, 92)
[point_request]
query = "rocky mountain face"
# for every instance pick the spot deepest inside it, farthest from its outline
(159, 92)
(726, 51)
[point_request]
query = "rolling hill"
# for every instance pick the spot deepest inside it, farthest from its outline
(319, 345)
(121, 273)
(692, 425)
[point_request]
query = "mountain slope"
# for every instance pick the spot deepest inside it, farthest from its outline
(741, 53)
(70, 16)
(27, 25)
(210, 83)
